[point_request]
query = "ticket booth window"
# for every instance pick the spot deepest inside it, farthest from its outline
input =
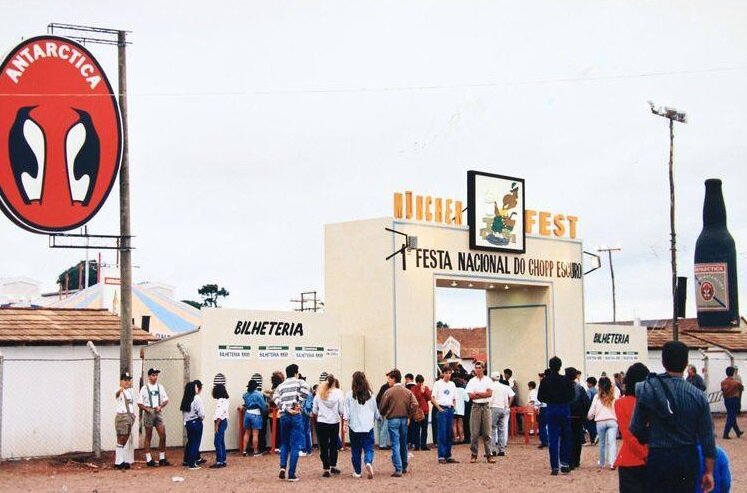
(258, 378)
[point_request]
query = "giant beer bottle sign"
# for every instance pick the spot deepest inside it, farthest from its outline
(60, 135)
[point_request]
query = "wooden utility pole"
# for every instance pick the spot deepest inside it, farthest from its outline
(612, 275)
(672, 115)
(125, 257)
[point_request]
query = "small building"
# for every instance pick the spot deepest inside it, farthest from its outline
(48, 378)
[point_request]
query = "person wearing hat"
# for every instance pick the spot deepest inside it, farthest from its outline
(500, 411)
(152, 400)
(124, 419)
(220, 420)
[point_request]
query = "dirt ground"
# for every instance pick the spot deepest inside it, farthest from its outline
(524, 469)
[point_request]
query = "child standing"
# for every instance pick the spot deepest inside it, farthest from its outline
(220, 420)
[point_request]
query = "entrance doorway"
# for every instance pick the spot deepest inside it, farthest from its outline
(516, 330)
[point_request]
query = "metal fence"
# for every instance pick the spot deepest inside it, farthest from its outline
(55, 404)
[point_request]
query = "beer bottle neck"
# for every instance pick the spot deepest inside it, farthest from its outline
(714, 210)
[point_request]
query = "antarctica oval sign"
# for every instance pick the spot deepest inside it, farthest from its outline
(60, 135)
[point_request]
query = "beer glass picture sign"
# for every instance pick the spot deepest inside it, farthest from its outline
(496, 212)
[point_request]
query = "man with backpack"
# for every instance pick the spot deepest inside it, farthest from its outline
(673, 417)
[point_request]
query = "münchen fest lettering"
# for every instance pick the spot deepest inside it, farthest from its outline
(268, 328)
(426, 258)
(611, 338)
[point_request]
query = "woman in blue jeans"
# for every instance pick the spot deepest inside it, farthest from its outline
(361, 412)
(220, 420)
(193, 412)
(603, 412)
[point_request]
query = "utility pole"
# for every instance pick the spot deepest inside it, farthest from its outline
(609, 251)
(672, 115)
(125, 259)
(317, 305)
(118, 38)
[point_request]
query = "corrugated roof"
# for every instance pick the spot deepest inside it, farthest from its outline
(63, 326)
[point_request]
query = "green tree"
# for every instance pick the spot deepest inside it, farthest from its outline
(211, 294)
(442, 325)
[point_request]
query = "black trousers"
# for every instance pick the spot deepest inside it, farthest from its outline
(326, 435)
(672, 470)
(577, 440)
(632, 479)
(434, 425)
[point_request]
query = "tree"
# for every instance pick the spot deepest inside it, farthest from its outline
(74, 274)
(442, 325)
(211, 294)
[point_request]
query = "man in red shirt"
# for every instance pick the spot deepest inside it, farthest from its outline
(423, 395)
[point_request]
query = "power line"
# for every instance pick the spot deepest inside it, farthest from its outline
(425, 87)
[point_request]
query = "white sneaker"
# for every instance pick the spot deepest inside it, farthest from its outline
(410, 455)
(369, 471)
(356, 475)
(303, 454)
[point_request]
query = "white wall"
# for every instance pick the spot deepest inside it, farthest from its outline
(48, 405)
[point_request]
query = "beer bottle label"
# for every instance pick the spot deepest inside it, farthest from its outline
(711, 287)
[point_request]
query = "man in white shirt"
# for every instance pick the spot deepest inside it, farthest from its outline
(124, 420)
(500, 410)
(480, 390)
(152, 400)
(443, 397)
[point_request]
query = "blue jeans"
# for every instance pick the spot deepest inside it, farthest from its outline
(542, 421)
(194, 435)
(291, 441)
(732, 408)
(383, 433)
(559, 434)
(362, 442)
(398, 436)
(607, 432)
(220, 442)
(445, 419)
(307, 434)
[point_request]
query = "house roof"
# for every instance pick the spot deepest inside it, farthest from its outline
(473, 341)
(696, 337)
(63, 326)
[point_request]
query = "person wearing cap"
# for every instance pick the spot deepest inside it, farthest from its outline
(124, 419)
(220, 420)
(480, 390)
(152, 400)
(500, 410)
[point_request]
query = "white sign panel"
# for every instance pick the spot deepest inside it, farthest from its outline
(309, 352)
(229, 351)
(332, 352)
(613, 348)
(273, 352)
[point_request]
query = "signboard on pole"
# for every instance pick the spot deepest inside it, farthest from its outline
(62, 144)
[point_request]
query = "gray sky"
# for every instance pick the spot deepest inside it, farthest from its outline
(255, 123)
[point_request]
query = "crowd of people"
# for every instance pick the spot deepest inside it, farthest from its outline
(664, 420)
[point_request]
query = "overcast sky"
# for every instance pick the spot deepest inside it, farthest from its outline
(253, 124)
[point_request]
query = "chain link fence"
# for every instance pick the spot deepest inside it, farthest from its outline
(57, 401)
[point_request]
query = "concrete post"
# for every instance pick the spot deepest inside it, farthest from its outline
(96, 400)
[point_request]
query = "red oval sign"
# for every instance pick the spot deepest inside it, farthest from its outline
(60, 135)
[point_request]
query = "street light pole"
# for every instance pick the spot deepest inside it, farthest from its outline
(672, 115)
(612, 275)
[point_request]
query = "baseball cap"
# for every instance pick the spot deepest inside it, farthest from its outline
(153, 371)
(495, 375)
(125, 376)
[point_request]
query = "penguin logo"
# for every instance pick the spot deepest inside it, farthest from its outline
(60, 135)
